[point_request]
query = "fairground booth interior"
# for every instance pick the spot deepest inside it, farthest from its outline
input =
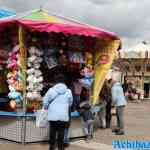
(36, 49)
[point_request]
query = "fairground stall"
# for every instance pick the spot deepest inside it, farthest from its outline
(50, 46)
(134, 64)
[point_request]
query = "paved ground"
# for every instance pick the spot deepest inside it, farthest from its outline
(137, 119)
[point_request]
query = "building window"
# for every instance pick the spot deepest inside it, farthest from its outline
(148, 67)
(138, 68)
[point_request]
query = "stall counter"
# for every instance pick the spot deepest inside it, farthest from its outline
(20, 127)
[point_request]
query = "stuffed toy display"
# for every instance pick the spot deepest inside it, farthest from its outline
(14, 79)
(35, 78)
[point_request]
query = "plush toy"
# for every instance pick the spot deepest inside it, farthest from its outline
(30, 96)
(34, 95)
(13, 75)
(30, 87)
(30, 78)
(9, 75)
(32, 59)
(39, 87)
(76, 57)
(30, 71)
(37, 73)
(51, 62)
(88, 79)
(39, 60)
(88, 58)
(11, 88)
(13, 56)
(87, 82)
(39, 53)
(19, 86)
(15, 95)
(61, 51)
(87, 71)
(32, 51)
(16, 49)
(39, 79)
(36, 65)
(11, 81)
(29, 64)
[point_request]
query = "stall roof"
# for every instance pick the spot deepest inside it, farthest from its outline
(6, 13)
(41, 20)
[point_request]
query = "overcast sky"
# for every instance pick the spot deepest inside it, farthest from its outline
(129, 19)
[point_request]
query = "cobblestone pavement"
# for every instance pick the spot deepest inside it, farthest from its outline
(137, 121)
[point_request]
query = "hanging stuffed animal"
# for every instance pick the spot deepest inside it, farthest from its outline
(76, 57)
(35, 77)
(87, 71)
(15, 95)
(88, 58)
(13, 76)
(3, 58)
(88, 74)
(19, 86)
(63, 58)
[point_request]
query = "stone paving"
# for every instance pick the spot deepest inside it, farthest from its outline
(137, 121)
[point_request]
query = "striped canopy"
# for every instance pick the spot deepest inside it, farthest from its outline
(41, 20)
(6, 13)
